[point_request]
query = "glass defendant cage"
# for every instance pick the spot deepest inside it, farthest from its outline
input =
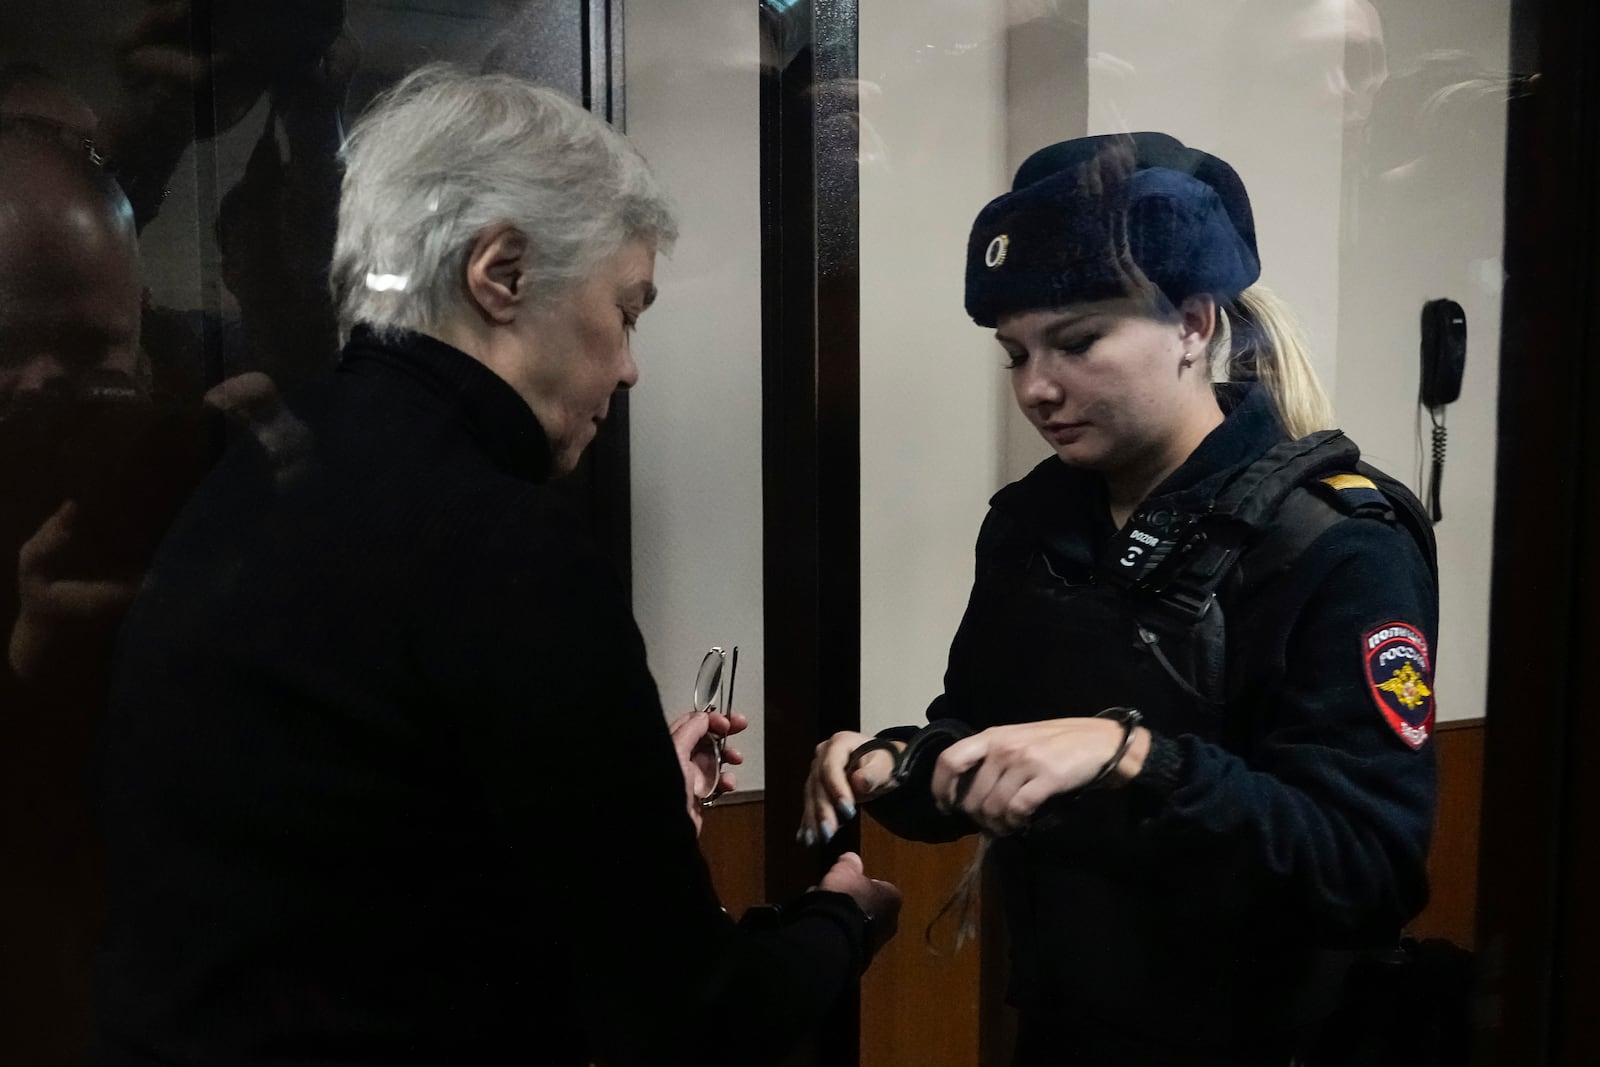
(804, 466)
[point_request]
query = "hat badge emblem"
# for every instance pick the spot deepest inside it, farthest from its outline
(996, 252)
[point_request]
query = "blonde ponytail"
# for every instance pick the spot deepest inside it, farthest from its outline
(963, 901)
(1258, 339)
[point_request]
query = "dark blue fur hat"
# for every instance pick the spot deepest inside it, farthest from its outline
(1108, 216)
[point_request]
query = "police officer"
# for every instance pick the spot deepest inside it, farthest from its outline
(1190, 701)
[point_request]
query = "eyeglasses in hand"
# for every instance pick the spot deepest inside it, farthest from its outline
(713, 691)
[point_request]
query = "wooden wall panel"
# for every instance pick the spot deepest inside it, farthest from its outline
(1453, 863)
(730, 840)
(918, 1007)
(922, 1008)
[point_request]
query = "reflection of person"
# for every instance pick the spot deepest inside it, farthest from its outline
(173, 93)
(69, 359)
(72, 394)
(275, 225)
(386, 775)
(1186, 884)
(29, 92)
(1332, 48)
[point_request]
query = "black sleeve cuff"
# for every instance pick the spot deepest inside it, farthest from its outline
(838, 908)
(1163, 767)
(908, 811)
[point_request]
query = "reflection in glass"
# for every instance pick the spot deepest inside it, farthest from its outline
(169, 178)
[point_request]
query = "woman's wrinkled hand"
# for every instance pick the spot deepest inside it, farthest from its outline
(692, 738)
(878, 900)
(834, 787)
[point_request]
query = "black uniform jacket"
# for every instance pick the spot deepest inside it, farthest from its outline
(386, 778)
(1196, 909)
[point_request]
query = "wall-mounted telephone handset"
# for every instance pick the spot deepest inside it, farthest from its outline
(1444, 351)
(1444, 358)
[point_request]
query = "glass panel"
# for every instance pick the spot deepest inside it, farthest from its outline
(693, 97)
(137, 336)
(168, 189)
(1370, 137)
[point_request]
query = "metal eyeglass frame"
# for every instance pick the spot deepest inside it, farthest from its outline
(713, 691)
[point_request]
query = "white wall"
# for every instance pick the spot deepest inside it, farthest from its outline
(949, 105)
(1293, 98)
(1215, 76)
(1047, 100)
(695, 417)
(1423, 218)
(1262, 92)
(934, 122)
(1292, 93)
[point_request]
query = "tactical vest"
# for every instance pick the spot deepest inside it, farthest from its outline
(1179, 568)
(1061, 627)
(1107, 923)
(1054, 631)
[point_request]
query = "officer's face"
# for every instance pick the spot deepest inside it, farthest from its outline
(1105, 383)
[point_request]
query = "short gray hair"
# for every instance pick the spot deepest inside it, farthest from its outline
(445, 154)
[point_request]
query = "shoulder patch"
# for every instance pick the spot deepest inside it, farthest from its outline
(1400, 677)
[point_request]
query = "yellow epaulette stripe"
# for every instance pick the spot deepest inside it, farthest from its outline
(1348, 481)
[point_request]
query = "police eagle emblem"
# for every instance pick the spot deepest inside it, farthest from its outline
(1407, 686)
(1398, 673)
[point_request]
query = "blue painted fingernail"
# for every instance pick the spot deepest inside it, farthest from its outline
(810, 838)
(847, 809)
(827, 832)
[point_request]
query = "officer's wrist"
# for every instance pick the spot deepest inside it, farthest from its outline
(1164, 767)
(1132, 761)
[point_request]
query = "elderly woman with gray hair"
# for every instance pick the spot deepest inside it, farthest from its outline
(350, 774)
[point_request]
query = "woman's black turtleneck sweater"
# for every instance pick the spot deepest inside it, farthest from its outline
(386, 779)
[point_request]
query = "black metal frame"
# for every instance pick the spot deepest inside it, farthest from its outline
(604, 477)
(1538, 934)
(810, 410)
(810, 429)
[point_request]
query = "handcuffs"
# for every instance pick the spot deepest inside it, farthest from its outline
(923, 746)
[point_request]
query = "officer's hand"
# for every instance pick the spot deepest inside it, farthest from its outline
(1001, 776)
(833, 788)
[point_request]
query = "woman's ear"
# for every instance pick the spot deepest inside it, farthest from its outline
(1197, 321)
(496, 278)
